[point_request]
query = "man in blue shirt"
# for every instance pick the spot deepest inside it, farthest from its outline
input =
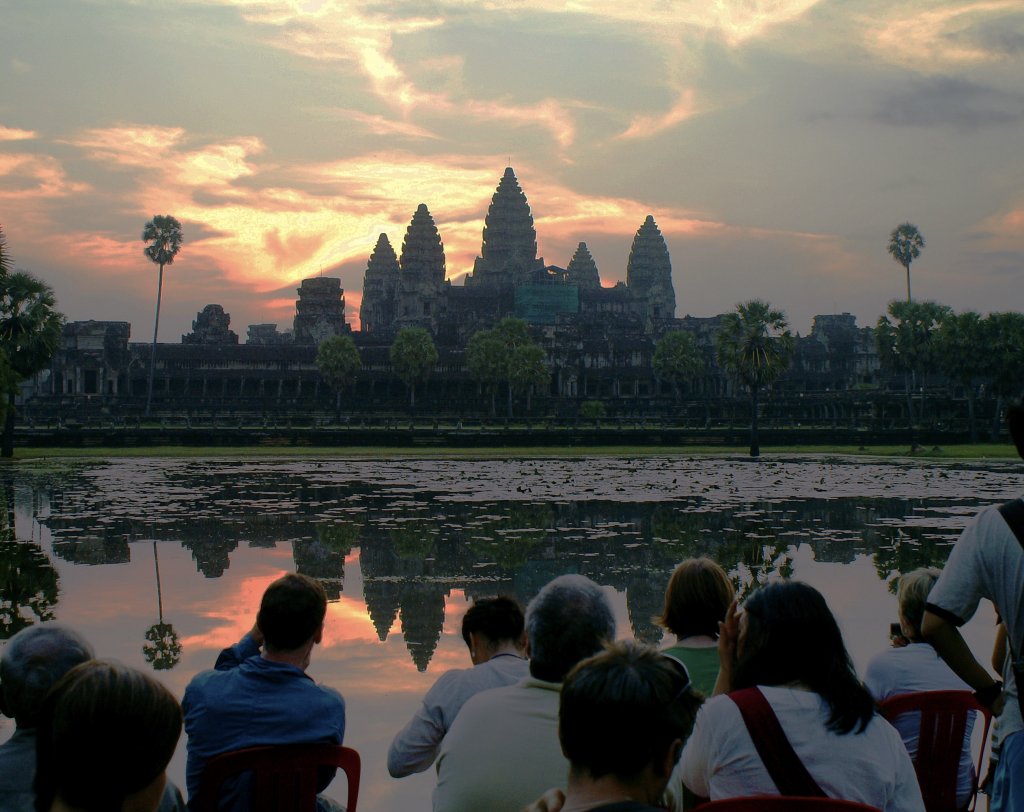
(253, 698)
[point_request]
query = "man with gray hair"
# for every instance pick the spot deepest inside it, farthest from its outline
(33, 662)
(502, 751)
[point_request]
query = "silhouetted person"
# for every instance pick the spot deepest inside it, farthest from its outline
(623, 718)
(106, 734)
(264, 698)
(502, 752)
(493, 629)
(987, 561)
(34, 660)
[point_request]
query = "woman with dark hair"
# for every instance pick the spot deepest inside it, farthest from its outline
(106, 734)
(697, 599)
(796, 720)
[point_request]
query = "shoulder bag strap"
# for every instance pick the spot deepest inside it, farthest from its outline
(780, 760)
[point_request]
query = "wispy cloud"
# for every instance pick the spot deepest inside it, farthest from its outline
(649, 126)
(14, 134)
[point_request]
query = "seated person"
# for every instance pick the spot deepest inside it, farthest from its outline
(493, 631)
(106, 734)
(698, 597)
(623, 717)
(915, 666)
(33, 662)
(787, 652)
(503, 752)
(253, 698)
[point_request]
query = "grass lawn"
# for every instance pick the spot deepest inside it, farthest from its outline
(966, 452)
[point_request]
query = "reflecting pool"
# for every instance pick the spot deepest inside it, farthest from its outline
(162, 562)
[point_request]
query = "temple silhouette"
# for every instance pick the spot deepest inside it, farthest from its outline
(598, 340)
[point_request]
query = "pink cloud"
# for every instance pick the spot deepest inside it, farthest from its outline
(14, 134)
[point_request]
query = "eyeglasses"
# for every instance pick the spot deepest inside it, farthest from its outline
(682, 672)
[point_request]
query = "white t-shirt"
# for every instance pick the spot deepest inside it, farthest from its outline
(913, 668)
(872, 767)
(987, 562)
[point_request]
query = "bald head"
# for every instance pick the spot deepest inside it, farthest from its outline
(35, 659)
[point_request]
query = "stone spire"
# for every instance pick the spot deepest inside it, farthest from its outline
(649, 273)
(421, 281)
(582, 269)
(509, 250)
(380, 287)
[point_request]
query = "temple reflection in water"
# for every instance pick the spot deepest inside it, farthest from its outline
(417, 542)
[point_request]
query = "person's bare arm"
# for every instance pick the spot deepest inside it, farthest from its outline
(999, 649)
(945, 637)
(728, 636)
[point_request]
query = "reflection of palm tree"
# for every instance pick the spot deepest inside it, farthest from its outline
(162, 648)
(28, 587)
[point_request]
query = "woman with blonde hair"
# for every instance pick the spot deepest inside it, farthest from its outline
(697, 599)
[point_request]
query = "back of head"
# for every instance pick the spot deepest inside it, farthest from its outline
(699, 594)
(623, 709)
(1015, 423)
(792, 636)
(34, 660)
(498, 619)
(106, 732)
(291, 612)
(568, 620)
(912, 594)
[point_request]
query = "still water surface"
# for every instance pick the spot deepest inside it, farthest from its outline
(162, 562)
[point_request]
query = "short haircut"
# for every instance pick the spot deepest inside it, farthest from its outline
(291, 612)
(568, 620)
(622, 710)
(34, 660)
(1015, 423)
(698, 596)
(497, 619)
(106, 731)
(912, 594)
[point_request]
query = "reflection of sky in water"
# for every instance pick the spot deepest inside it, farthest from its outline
(403, 546)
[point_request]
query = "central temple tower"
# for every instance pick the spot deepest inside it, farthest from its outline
(508, 255)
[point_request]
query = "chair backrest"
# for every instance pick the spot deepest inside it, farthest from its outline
(780, 803)
(284, 777)
(940, 741)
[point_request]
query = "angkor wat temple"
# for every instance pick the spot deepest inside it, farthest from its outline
(599, 341)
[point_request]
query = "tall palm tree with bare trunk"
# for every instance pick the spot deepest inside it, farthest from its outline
(163, 237)
(905, 244)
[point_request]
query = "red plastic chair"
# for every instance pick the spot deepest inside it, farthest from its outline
(284, 777)
(940, 742)
(781, 803)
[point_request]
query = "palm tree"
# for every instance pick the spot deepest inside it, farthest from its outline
(905, 244)
(337, 360)
(5, 259)
(163, 233)
(413, 357)
(754, 345)
(30, 329)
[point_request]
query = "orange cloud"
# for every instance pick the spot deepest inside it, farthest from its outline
(384, 126)
(34, 176)
(14, 134)
(648, 126)
(128, 145)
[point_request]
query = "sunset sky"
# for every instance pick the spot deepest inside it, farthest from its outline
(776, 143)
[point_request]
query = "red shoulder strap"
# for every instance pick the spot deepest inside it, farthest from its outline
(780, 760)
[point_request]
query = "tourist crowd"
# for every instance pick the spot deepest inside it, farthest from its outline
(752, 699)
